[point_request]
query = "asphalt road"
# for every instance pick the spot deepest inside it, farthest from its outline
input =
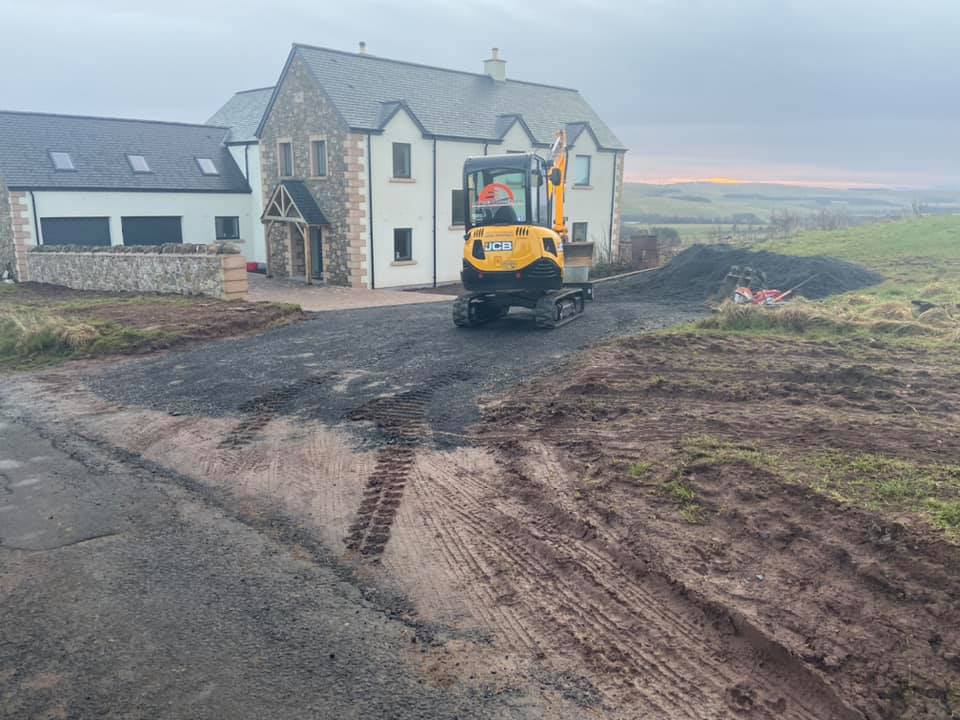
(369, 353)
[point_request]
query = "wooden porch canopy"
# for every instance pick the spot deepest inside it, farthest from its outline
(292, 202)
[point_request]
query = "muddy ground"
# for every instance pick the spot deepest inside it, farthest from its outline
(626, 534)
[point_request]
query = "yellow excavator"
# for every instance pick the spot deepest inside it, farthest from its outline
(515, 240)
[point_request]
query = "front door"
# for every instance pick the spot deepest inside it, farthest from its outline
(316, 253)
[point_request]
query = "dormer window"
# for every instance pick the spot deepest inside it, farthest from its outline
(207, 166)
(61, 161)
(139, 164)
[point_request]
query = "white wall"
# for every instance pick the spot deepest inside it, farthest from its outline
(398, 204)
(591, 204)
(256, 249)
(402, 204)
(197, 211)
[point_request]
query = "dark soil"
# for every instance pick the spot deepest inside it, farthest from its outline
(863, 601)
(698, 274)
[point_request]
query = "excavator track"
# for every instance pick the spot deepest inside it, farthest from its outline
(474, 309)
(559, 308)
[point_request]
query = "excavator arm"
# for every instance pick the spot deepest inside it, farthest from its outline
(557, 188)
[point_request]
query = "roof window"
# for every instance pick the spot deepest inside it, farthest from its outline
(61, 160)
(207, 166)
(138, 163)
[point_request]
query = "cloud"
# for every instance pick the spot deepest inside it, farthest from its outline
(851, 86)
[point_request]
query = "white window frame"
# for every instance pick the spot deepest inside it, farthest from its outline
(213, 169)
(409, 258)
(589, 160)
(314, 167)
(393, 158)
(293, 158)
(132, 159)
(54, 154)
(573, 232)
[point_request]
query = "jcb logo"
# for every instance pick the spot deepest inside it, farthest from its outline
(498, 246)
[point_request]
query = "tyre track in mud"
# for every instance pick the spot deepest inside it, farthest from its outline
(648, 645)
(402, 424)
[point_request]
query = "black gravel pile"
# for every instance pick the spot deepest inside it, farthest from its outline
(699, 273)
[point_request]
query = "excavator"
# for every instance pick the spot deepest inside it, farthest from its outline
(515, 240)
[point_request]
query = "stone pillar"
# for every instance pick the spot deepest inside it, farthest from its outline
(22, 233)
(617, 195)
(8, 255)
(357, 210)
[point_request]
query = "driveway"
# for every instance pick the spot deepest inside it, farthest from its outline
(171, 528)
(323, 298)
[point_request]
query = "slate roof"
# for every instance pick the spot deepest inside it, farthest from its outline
(242, 114)
(98, 148)
(305, 202)
(446, 103)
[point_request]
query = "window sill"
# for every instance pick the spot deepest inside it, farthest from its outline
(402, 180)
(403, 263)
(581, 187)
(318, 177)
(457, 228)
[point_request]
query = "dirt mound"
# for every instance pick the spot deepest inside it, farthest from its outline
(698, 273)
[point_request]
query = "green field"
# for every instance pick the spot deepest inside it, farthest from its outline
(706, 212)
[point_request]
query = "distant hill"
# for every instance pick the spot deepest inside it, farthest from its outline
(743, 203)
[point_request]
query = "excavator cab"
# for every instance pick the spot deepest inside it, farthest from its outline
(513, 253)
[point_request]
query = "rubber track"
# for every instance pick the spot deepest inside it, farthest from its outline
(262, 409)
(401, 419)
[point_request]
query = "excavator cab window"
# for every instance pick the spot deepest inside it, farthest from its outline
(498, 196)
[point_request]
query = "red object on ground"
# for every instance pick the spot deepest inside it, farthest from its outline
(251, 267)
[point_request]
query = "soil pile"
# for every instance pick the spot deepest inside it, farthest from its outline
(699, 272)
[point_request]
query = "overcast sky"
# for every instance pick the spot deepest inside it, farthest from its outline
(859, 91)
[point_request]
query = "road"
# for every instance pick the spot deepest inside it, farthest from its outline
(130, 590)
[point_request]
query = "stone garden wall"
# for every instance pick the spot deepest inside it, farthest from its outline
(213, 270)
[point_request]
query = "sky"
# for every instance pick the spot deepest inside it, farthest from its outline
(858, 92)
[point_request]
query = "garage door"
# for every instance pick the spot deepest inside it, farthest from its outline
(151, 230)
(75, 231)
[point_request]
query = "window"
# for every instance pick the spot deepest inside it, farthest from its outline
(61, 160)
(228, 228)
(456, 211)
(138, 163)
(207, 166)
(318, 156)
(402, 244)
(87, 231)
(497, 196)
(152, 230)
(579, 232)
(285, 152)
(401, 160)
(581, 170)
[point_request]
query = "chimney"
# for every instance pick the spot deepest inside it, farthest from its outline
(495, 67)
(363, 48)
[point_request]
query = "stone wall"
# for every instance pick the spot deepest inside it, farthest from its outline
(301, 113)
(141, 269)
(617, 198)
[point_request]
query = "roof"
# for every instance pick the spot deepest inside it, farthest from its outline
(367, 90)
(305, 202)
(242, 114)
(98, 148)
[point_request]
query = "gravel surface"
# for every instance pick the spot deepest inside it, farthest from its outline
(370, 353)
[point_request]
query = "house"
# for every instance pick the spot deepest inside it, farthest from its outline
(360, 162)
(77, 180)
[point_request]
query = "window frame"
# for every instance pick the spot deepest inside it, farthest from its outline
(314, 165)
(589, 159)
(409, 237)
(409, 149)
(203, 171)
(146, 164)
(53, 153)
(216, 227)
(458, 207)
(586, 232)
(280, 158)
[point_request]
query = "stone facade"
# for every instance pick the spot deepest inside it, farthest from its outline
(119, 269)
(300, 114)
(16, 233)
(8, 256)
